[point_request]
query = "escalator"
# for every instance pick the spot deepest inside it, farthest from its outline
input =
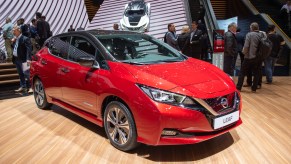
(246, 15)
(235, 8)
(272, 8)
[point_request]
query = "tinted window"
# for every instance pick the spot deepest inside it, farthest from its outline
(58, 47)
(80, 48)
(65, 39)
(84, 45)
(134, 12)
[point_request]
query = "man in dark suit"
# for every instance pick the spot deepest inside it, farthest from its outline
(230, 49)
(240, 38)
(42, 28)
(194, 41)
(21, 58)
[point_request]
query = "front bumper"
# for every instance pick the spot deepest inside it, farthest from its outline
(143, 28)
(195, 137)
(192, 126)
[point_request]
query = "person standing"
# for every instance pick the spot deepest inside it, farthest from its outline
(230, 49)
(71, 28)
(287, 6)
(7, 35)
(277, 44)
(115, 26)
(240, 38)
(182, 38)
(48, 27)
(41, 28)
(194, 41)
(34, 36)
(21, 58)
(171, 38)
(251, 63)
(286, 14)
(24, 28)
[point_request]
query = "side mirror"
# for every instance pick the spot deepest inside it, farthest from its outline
(55, 51)
(88, 62)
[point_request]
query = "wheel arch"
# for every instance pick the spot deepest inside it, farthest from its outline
(33, 80)
(111, 98)
(35, 77)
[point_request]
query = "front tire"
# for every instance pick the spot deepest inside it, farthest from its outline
(119, 126)
(39, 95)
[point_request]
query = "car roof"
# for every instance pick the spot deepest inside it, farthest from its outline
(97, 32)
(136, 5)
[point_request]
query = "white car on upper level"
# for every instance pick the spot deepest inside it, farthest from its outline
(136, 16)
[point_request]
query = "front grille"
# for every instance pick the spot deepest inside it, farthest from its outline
(134, 28)
(223, 104)
(133, 23)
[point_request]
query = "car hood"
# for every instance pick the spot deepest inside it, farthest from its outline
(191, 76)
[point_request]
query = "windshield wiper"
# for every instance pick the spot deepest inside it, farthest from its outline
(133, 63)
(168, 61)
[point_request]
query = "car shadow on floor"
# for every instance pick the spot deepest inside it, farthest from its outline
(79, 120)
(173, 153)
(184, 153)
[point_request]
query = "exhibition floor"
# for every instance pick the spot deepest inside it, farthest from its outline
(30, 135)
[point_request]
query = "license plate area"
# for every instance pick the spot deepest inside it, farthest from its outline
(225, 120)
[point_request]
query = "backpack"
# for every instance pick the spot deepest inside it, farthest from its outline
(165, 37)
(264, 47)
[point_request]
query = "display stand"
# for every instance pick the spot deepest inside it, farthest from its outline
(217, 59)
(218, 48)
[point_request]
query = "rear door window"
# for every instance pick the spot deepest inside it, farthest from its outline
(59, 46)
(80, 47)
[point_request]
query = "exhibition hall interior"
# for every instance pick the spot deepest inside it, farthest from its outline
(145, 81)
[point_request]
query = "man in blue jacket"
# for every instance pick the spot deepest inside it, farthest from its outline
(171, 37)
(21, 58)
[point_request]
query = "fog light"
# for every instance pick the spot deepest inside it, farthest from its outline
(169, 133)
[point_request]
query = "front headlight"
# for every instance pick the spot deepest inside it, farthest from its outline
(145, 25)
(167, 97)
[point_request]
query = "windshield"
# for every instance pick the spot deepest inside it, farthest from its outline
(139, 49)
(134, 12)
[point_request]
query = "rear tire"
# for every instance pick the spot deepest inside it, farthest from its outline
(120, 127)
(39, 95)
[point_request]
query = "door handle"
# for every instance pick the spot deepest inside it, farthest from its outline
(44, 62)
(65, 70)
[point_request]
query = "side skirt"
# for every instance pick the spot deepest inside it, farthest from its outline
(88, 116)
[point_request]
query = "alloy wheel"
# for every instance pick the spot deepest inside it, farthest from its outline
(39, 93)
(118, 126)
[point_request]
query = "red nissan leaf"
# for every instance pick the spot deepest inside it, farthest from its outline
(135, 86)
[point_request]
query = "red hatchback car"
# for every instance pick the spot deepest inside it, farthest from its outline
(135, 86)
